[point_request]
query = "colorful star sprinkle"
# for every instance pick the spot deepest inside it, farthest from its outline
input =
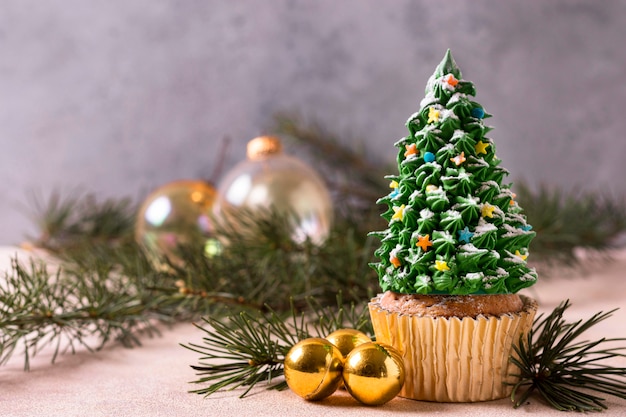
(411, 150)
(394, 185)
(394, 261)
(519, 255)
(459, 159)
(430, 188)
(433, 115)
(481, 147)
(486, 210)
(465, 235)
(441, 266)
(451, 80)
(398, 213)
(527, 228)
(424, 242)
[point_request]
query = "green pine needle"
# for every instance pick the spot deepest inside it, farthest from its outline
(567, 373)
(40, 308)
(249, 348)
(66, 221)
(567, 220)
(109, 289)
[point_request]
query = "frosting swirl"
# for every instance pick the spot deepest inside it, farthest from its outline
(453, 226)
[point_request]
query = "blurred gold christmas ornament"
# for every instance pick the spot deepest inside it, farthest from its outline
(347, 339)
(270, 180)
(373, 373)
(313, 368)
(176, 215)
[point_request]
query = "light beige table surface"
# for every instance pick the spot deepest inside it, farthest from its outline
(153, 380)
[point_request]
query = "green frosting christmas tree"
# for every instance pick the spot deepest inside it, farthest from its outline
(454, 227)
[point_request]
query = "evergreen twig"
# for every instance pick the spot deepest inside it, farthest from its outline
(40, 308)
(567, 220)
(69, 221)
(566, 372)
(108, 288)
(249, 348)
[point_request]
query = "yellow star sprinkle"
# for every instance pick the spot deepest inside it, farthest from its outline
(410, 150)
(459, 159)
(395, 261)
(430, 188)
(433, 115)
(487, 210)
(394, 184)
(519, 255)
(398, 213)
(481, 147)
(441, 266)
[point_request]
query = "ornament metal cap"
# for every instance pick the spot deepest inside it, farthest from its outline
(263, 146)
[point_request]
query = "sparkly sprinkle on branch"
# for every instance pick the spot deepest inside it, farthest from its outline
(398, 213)
(459, 159)
(465, 235)
(424, 242)
(451, 80)
(433, 115)
(411, 150)
(481, 147)
(486, 210)
(441, 266)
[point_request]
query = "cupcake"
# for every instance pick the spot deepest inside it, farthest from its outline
(453, 257)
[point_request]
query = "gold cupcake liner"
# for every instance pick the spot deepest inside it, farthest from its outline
(454, 360)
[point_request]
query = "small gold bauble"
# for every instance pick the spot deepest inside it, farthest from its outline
(347, 339)
(313, 368)
(373, 373)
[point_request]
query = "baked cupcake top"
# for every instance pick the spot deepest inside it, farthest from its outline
(447, 306)
(454, 227)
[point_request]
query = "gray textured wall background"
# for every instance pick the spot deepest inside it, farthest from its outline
(120, 96)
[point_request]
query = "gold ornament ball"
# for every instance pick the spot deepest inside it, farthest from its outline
(269, 180)
(373, 373)
(313, 368)
(347, 339)
(175, 215)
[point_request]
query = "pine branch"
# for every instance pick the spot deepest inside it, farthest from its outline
(39, 308)
(107, 288)
(565, 371)
(69, 221)
(249, 348)
(565, 221)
